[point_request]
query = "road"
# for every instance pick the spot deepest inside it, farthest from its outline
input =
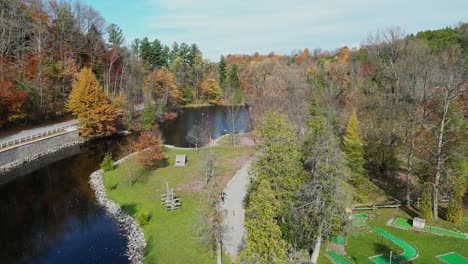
(234, 205)
(34, 131)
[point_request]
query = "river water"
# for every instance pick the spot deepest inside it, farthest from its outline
(48, 212)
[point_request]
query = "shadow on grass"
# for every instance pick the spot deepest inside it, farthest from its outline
(409, 211)
(129, 208)
(113, 187)
(381, 248)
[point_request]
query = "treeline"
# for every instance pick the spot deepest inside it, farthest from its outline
(328, 123)
(45, 44)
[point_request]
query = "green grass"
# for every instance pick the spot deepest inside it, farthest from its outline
(338, 258)
(453, 258)
(363, 242)
(359, 223)
(441, 231)
(409, 252)
(170, 235)
(360, 216)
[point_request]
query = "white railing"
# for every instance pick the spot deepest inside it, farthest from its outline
(36, 136)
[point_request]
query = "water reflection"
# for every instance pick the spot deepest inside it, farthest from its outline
(216, 118)
(48, 213)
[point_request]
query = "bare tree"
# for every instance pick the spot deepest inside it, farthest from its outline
(197, 135)
(450, 83)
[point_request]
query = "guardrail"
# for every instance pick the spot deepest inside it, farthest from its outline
(35, 136)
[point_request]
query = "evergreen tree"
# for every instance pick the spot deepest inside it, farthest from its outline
(459, 184)
(263, 243)
(149, 113)
(318, 210)
(279, 158)
(89, 104)
(107, 163)
(222, 72)
(354, 154)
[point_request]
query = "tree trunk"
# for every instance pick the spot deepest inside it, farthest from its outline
(409, 170)
(435, 192)
(219, 253)
(315, 253)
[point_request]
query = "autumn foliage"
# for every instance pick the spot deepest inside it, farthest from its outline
(211, 91)
(160, 84)
(13, 103)
(90, 105)
(150, 153)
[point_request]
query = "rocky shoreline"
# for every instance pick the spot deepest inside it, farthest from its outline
(126, 224)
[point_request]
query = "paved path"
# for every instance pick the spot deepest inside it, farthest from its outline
(234, 204)
(34, 131)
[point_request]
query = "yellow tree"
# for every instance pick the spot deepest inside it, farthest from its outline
(211, 91)
(91, 107)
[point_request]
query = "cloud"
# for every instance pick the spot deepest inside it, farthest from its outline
(225, 26)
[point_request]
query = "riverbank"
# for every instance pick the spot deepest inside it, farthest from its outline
(171, 236)
(126, 224)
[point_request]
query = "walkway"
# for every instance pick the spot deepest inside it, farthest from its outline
(35, 133)
(234, 204)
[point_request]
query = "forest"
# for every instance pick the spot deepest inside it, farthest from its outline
(331, 127)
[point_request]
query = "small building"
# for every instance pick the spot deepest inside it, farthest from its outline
(419, 223)
(180, 160)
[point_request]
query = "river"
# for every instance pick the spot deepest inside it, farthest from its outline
(48, 212)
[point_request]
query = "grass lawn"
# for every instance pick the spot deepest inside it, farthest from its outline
(364, 242)
(170, 235)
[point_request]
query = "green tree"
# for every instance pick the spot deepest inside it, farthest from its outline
(149, 113)
(222, 72)
(116, 37)
(425, 207)
(107, 163)
(354, 154)
(90, 105)
(318, 210)
(279, 159)
(263, 243)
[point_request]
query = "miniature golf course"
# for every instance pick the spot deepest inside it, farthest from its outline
(452, 258)
(338, 258)
(409, 252)
(407, 224)
(360, 216)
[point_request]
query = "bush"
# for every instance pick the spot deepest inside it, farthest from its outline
(425, 208)
(188, 94)
(143, 217)
(107, 163)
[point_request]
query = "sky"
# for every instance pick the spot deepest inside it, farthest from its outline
(228, 27)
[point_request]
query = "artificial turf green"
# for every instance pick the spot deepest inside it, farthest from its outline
(363, 242)
(341, 240)
(409, 252)
(453, 258)
(337, 257)
(441, 231)
(403, 223)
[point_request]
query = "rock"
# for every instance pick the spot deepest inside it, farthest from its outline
(127, 225)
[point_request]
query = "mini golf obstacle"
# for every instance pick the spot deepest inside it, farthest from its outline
(452, 258)
(407, 224)
(409, 252)
(337, 258)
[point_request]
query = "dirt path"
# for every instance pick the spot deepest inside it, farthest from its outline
(236, 191)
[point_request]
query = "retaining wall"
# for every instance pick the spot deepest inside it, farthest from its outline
(17, 155)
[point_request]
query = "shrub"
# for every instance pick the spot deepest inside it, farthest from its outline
(107, 163)
(143, 217)
(425, 208)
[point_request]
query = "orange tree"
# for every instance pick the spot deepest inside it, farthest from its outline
(150, 153)
(91, 107)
